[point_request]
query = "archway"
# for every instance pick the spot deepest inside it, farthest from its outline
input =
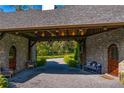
(113, 60)
(12, 58)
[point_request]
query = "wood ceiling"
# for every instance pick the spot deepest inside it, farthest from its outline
(62, 33)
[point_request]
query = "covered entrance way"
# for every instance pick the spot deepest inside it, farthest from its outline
(78, 33)
(113, 60)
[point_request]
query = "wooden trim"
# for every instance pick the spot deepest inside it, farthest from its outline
(33, 43)
(29, 49)
(63, 27)
(2, 35)
(84, 50)
(59, 38)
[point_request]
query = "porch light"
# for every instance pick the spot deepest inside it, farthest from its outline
(81, 33)
(80, 30)
(57, 31)
(73, 33)
(62, 33)
(104, 28)
(36, 32)
(43, 34)
(16, 33)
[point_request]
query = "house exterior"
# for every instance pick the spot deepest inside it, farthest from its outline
(98, 29)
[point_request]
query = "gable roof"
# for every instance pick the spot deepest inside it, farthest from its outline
(69, 15)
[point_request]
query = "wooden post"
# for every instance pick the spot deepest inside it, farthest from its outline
(29, 49)
(82, 54)
(30, 46)
(84, 51)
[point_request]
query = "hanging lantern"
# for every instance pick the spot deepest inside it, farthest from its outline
(104, 28)
(57, 31)
(43, 34)
(36, 32)
(73, 33)
(16, 33)
(81, 33)
(62, 33)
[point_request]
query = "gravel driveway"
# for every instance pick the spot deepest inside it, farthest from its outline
(56, 74)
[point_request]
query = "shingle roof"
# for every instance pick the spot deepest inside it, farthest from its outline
(70, 15)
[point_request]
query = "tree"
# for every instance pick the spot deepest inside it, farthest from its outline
(55, 48)
(27, 7)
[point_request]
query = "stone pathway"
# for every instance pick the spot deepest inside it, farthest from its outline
(56, 74)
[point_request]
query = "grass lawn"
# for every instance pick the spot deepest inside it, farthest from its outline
(53, 56)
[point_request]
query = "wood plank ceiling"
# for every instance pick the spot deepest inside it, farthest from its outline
(67, 33)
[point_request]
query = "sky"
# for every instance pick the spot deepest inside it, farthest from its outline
(7, 8)
(10, 8)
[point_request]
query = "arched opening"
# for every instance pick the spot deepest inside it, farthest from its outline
(113, 60)
(12, 58)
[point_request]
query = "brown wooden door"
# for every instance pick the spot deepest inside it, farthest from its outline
(12, 58)
(113, 60)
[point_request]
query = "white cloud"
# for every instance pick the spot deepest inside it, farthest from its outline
(47, 6)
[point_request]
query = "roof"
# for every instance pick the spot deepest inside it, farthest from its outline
(69, 15)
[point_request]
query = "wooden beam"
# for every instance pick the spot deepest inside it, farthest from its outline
(91, 32)
(82, 53)
(24, 35)
(33, 43)
(29, 49)
(52, 33)
(58, 38)
(116, 24)
(2, 34)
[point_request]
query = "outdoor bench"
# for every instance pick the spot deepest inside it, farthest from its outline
(6, 72)
(30, 64)
(93, 67)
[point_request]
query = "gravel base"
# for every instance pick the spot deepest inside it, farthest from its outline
(56, 74)
(69, 81)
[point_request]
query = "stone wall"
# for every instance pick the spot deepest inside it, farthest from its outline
(97, 47)
(21, 45)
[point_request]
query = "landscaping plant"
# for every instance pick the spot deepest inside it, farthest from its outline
(70, 61)
(4, 83)
(76, 52)
(121, 77)
(41, 61)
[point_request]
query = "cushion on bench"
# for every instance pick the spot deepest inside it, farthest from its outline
(93, 67)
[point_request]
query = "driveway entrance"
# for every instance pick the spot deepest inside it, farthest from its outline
(56, 74)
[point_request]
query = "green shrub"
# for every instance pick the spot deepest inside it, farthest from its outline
(4, 83)
(70, 61)
(121, 76)
(76, 52)
(41, 61)
(67, 58)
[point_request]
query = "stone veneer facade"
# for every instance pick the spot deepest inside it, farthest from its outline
(21, 45)
(97, 47)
